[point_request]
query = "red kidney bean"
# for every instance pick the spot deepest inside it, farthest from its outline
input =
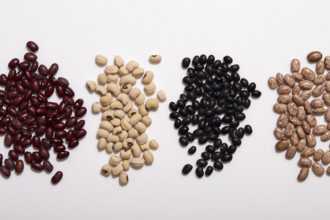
(29, 121)
(35, 85)
(6, 101)
(60, 134)
(2, 130)
(36, 141)
(63, 155)
(3, 93)
(41, 111)
(41, 120)
(78, 104)
(68, 100)
(10, 164)
(36, 157)
(69, 92)
(1, 104)
(28, 94)
(26, 84)
(61, 108)
(12, 94)
(32, 46)
(1, 157)
(63, 81)
(69, 135)
(28, 157)
(17, 138)
(23, 115)
(17, 123)
(49, 91)
(18, 100)
(32, 127)
(5, 171)
(34, 67)
(53, 69)
(9, 85)
(73, 143)
(56, 141)
(42, 97)
(13, 63)
(59, 118)
(81, 112)
(59, 126)
(59, 148)
(37, 166)
(19, 76)
(60, 91)
(8, 139)
(32, 110)
(37, 76)
(46, 143)
(35, 101)
(49, 132)
(71, 122)
(3, 112)
(40, 130)
(26, 133)
(12, 111)
(13, 155)
(43, 70)
(80, 124)
(19, 149)
(24, 65)
(26, 142)
(30, 57)
(68, 112)
(51, 105)
(80, 133)
(48, 166)
(4, 121)
(49, 121)
(19, 166)
(11, 129)
(44, 83)
(51, 114)
(28, 73)
(11, 74)
(3, 79)
(53, 80)
(44, 153)
(57, 177)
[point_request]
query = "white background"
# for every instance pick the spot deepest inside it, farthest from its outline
(261, 36)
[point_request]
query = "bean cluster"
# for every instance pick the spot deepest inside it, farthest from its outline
(29, 119)
(214, 96)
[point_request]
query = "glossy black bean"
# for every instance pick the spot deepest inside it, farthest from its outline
(210, 149)
(244, 82)
(190, 136)
(185, 62)
(216, 155)
(177, 123)
(199, 172)
(218, 165)
(186, 169)
(191, 72)
(231, 149)
(240, 132)
(195, 60)
(202, 139)
(188, 80)
(236, 141)
(210, 59)
(195, 119)
(209, 171)
(239, 116)
(183, 141)
(248, 129)
(205, 156)
(192, 150)
(226, 157)
(183, 130)
(174, 115)
(256, 93)
(198, 132)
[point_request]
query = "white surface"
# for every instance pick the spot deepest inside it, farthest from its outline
(261, 36)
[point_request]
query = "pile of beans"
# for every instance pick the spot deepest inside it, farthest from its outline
(29, 119)
(302, 96)
(122, 131)
(214, 95)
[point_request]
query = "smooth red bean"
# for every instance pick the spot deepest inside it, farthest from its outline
(17, 123)
(81, 112)
(18, 100)
(9, 85)
(28, 157)
(3, 112)
(68, 112)
(2, 130)
(69, 92)
(36, 157)
(49, 132)
(44, 153)
(41, 120)
(37, 166)
(71, 122)
(32, 46)
(8, 139)
(46, 143)
(56, 141)
(40, 130)
(10, 164)
(29, 121)
(4, 121)
(35, 101)
(41, 111)
(11, 74)
(36, 141)
(80, 133)
(80, 124)
(23, 106)
(59, 148)
(42, 97)
(78, 103)
(19, 149)
(30, 57)
(2, 93)
(59, 126)
(59, 118)
(73, 143)
(51, 105)
(60, 134)
(19, 166)
(32, 127)
(17, 138)
(12, 111)
(60, 91)
(5, 171)
(48, 166)
(6, 101)
(49, 121)
(53, 69)
(13, 155)
(63, 155)
(26, 142)
(28, 94)
(11, 129)
(12, 94)
(43, 70)
(3, 79)
(61, 108)
(32, 110)
(26, 133)
(57, 177)
(23, 115)
(53, 80)
(19, 76)
(34, 67)
(35, 85)
(13, 63)
(63, 81)
(69, 135)
(24, 65)
(1, 157)
(26, 84)
(49, 91)
(68, 100)
(51, 114)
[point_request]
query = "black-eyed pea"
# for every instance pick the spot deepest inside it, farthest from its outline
(133, 133)
(132, 65)
(125, 154)
(119, 114)
(112, 139)
(105, 108)
(117, 130)
(146, 120)
(109, 148)
(320, 67)
(117, 170)
(114, 160)
(123, 136)
(107, 115)
(123, 179)
(140, 127)
(142, 110)
(101, 60)
(128, 143)
(150, 89)
(148, 77)
(161, 96)
(118, 146)
(106, 170)
(101, 90)
(127, 79)
(115, 122)
(106, 99)
(136, 150)
(91, 86)
(140, 99)
(101, 144)
(126, 88)
(112, 78)
(137, 162)
(96, 107)
(111, 70)
(155, 58)
(123, 98)
(144, 147)
(114, 89)
(101, 133)
(116, 105)
(134, 93)
(131, 112)
(142, 139)
(125, 165)
(106, 125)
(152, 104)
(123, 71)
(138, 72)
(128, 107)
(124, 123)
(102, 79)
(148, 157)
(153, 144)
(135, 119)
(295, 65)
(118, 61)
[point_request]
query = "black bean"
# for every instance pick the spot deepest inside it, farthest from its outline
(248, 129)
(218, 165)
(228, 59)
(199, 172)
(205, 156)
(236, 141)
(190, 136)
(209, 171)
(226, 157)
(192, 150)
(210, 60)
(183, 130)
(202, 59)
(186, 169)
(173, 106)
(184, 141)
(217, 143)
(174, 115)
(185, 62)
(195, 119)
(177, 123)
(201, 163)
(210, 149)
(195, 60)
(188, 80)
(244, 82)
(203, 139)
(231, 149)
(216, 155)
(256, 93)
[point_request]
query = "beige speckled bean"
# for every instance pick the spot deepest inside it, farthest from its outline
(272, 83)
(132, 65)
(308, 107)
(279, 79)
(305, 162)
(318, 155)
(283, 120)
(150, 89)
(320, 67)
(280, 108)
(306, 94)
(314, 56)
(294, 139)
(325, 136)
(295, 65)
(301, 114)
(296, 90)
(319, 79)
(284, 99)
(308, 73)
(311, 120)
(298, 100)
(327, 62)
(326, 157)
(326, 98)
(283, 89)
(306, 84)
(292, 109)
(294, 120)
(289, 129)
(303, 174)
(300, 132)
(318, 110)
(282, 145)
(289, 80)
(307, 152)
(306, 127)
(290, 152)
(137, 162)
(317, 103)
(279, 133)
(311, 140)
(101, 60)
(297, 76)
(318, 90)
(301, 145)
(118, 61)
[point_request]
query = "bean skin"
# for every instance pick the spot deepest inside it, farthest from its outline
(37, 166)
(78, 104)
(43, 70)
(19, 166)
(69, 135)
(13, 155)
(36, 157)
(53, 69)
(49, 91)
(5, 171)
(48, 166)
(57, 177)
(80, 124)
(73, 143)
(32, 46)
(13, 63)
(28, 157)
(63, 155)
(81, 112)
(10, 164)
(80, 133)
(186, 169)
(59, 148)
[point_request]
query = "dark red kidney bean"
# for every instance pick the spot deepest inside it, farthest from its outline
(37, 166)
(36, 157)
(24, 65)
(2, 130)
(18, 100)
(48, 166)
(42, 97)
(63, 81)
(6, 101)
(57, 177)
(32, 110)
(51, 105)
(32, 127)
(17, 138)
(59, 126)
(19, 76)
(73, 143)
(30, 57)
(61, 107)
(71, 122)
(68, 112)
(53, 69)
(11, 129)
(49, 121)
(36, 141)
(10, 164)
(41, 111)
(69, 135)
(69, 92)
(81, 112)
(3, 79)
(12, 111)
(28, 73)
(40, 130)
(3, 93)
(23, 115)
(32, 46)
(28, 157)
(59, 118)
(28, 94)
(80, 124)
(25, 85)
(19, 166)
(49, 91)
(78, 103)
(8, 139)
(37, 76)
(13, 155)
(26, 142)
(12, 94)
(5, 171)
(11, 74)
(80, 133)
(1, 157)
(43, 70)
(53, 80)
(10, 85)
(63, 155)
(35, 101)
(44, 83)
(13, 63)
(35, 85)
(51, 114)
(4, 121)
(49, 132)
(56, 141)
(3, 112)
(26, 133)
(1, 104)
(19, 150)
(46, 143)
(34, 67)
(68, 100)
(41, 120)
(44, 153)
(59, 148)
(60, 91)
(17, 123)
(29, 121)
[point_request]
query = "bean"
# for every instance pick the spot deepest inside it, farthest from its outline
(155, 59)
(57, 177)
(63, 155)
(48, 166)
(37, 166)
(5, 171)
(19, 166)
(32, 46)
